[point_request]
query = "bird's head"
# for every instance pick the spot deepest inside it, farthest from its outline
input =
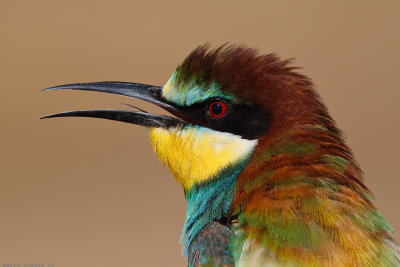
(225, 101)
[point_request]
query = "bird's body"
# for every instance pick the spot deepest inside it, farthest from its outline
(268, 178)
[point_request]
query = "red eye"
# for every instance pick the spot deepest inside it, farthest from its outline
(217, 109)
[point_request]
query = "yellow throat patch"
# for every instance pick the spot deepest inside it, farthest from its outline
(196, 154)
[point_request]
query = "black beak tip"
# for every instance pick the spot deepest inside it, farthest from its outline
(44, 117)
(49, 116)
(58, 87)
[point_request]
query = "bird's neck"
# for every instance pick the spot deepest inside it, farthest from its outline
(210, 201)
(301, 198)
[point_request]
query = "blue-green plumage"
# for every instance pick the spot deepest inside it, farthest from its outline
(209, 201)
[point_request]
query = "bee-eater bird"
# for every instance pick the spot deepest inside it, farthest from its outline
(268, 178)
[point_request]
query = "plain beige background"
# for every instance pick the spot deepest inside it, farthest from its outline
(86, 192)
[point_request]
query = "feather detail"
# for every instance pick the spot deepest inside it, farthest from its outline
(301, 201)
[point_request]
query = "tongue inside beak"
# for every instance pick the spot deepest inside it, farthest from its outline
(145, 92)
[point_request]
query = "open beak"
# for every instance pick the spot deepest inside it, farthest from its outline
(145, 92)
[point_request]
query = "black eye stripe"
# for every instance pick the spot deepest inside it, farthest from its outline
(250, 122)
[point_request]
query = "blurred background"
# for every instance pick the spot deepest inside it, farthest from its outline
(86, 192)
